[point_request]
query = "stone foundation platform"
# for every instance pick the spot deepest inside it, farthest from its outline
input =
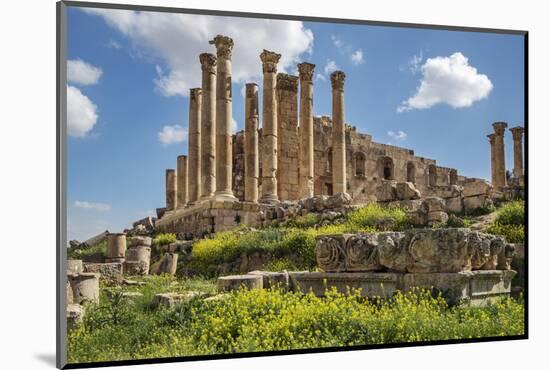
(477, 288)
(209, 216)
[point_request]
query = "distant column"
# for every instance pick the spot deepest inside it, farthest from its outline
(251, 165)
(269, 127)
(224, 118)
(517, 134)
(306, 130)
(338, 133)
(194, 160)
(208, 125)
(171, 189)
(500, 164)
(493, 163)
(181, 176)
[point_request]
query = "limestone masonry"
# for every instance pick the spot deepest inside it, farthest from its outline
(230, 179)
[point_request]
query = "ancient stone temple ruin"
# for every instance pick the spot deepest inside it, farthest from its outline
(231, 179)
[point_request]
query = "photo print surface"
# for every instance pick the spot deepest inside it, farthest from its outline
(246, 184)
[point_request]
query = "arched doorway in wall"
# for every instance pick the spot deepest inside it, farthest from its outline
(453, 177)
(432, 175)
(360, 164)
(385, 168)
(411, 172)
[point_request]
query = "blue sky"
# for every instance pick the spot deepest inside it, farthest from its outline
(436, 92)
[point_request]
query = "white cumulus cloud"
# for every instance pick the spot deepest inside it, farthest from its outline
(397, 136)
(91, 205)
(357, 57)
(448, 80)
(172, 134)
(176, 40)
(330, 67)
(81, 113)
(81, 73)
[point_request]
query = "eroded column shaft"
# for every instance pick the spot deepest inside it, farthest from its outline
(171, 189)
(251, 164)
(517, 134)
(208, 125)
(224, 117)
(338, 133)
(194, 160)
(306, 173)
(500, 164)
(269, 127)
(182, 178)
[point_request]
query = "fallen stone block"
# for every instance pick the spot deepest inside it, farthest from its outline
(415, 250)
(406, 191)
(386, 192)
(94, 240)
(236, 282)
(476, 187)
(273, 279)
(371, 284)
(85, 287)
(171, 299)
(144, 241)
(110, 273)
(168, 264)
(75, 315)
(75, 266)
(136, 268)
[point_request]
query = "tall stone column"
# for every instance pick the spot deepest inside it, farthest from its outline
(208, 125)
(171, 189)
(306, 129)
(194, 160)
(338, 133)
(251, 165)
(269, 127)
(493, 163)
(500, 164)
(224, 117)
(517, 134)
(288, 150)
(182, 186)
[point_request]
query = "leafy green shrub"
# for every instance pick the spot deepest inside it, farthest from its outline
(267, 320)
(512, 213)
(481, 211)
(164, 239)
(87, 251)
(378, 217)
(512, 233)
(509, 222)
(302, 222)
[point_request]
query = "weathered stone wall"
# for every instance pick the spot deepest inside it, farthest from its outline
(209, 217)
(367, 163)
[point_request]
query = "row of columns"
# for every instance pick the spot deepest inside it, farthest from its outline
(207, 172)
(498, 164)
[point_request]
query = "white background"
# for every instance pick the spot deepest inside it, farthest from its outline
(28, 177)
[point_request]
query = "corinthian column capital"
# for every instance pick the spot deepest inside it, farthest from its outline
(306, 71)
(224, 46)
(337, 79)
(269, 61)
(208, 62)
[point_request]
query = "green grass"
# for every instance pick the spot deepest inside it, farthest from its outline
(270, 320)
